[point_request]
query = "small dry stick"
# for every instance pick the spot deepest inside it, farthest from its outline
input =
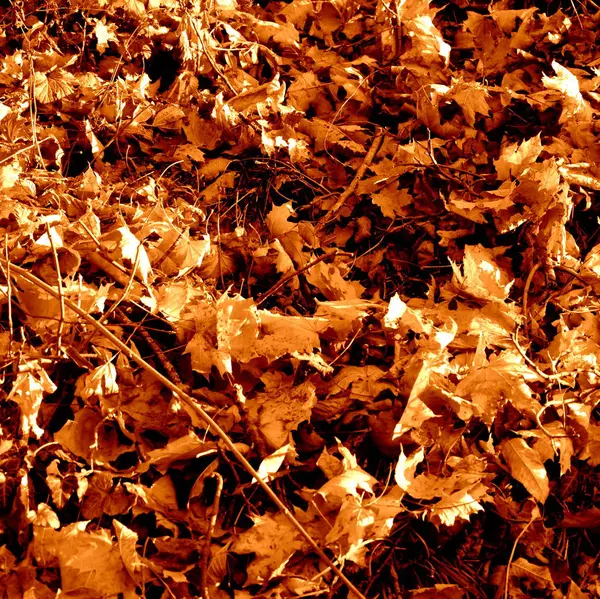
(377, 140)
(9, 292)
(526, 294)
(514, 549)
(551, 404)
(211, 529)
(287, 278)
(59, 286)
(193, 405)
(29, 147)
(166, 364)
(538, 370)
(571, 272)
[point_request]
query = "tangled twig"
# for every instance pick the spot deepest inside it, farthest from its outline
(333, 212)
(195, 407)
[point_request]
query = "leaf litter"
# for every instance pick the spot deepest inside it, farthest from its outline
(299, 299)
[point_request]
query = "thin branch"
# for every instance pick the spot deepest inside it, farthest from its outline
(533, 270)
(332, 213)
(287, 278)
(211, 529)
(514, 549)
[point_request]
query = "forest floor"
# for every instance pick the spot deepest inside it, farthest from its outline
(299, 299)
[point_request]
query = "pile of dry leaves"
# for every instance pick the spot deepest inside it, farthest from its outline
(299, 299)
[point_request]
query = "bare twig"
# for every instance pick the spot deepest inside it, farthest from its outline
(332, 213)
(29, 147)
(538, 370)
(533, 270)
(9, 296)
(571, 272)
(158, 352)
(551, 404)
(534, 515)
(285, 279)
(59, 286)
(211, 529)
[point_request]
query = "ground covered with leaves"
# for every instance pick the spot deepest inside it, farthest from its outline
(299, 299)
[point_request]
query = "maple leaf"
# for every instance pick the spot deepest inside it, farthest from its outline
(482, 277)
(127, 540)
(329, 279)
(274, 541)
(100, 382)
(568, 85)
(537, 576)
(102, 497)
(280, 410)
(353, 481)
(53, 85)
(363, 381)
(273, 462)
(406, 466)
(502, 379)
(515, 158)
(549, 447)
(458, 495)
(591, 450)
(428, 43)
